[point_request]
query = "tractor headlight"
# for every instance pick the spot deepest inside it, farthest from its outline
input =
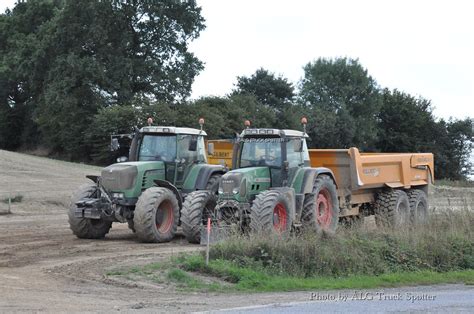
(235, 191)
(117, 195)
(220, 190)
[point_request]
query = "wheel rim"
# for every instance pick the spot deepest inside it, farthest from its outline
(403, 214)
(420, 212)
(279, 217)
(324, 209)
(164, 217)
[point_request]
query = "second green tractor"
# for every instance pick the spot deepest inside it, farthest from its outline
(271, 187)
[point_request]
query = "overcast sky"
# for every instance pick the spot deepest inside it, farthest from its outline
(424, 48)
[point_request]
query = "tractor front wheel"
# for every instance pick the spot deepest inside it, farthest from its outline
(156, 215)
(197, 208)
(271, 210)
(86, 228)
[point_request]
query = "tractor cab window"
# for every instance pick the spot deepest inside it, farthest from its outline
(296, 152)
(261, 152)
(158, 148)
(191, 148)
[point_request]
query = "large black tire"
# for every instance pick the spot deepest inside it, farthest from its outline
(418, 206)
(156, 215)
(213, 182)
(321, 208)
(197, 208)
(271, 210)
(130, 225)
(86, 228)
(392, 209)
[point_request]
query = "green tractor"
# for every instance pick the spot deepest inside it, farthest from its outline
(271, 187)
(147, 189)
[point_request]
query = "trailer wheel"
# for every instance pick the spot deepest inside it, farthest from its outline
(86, 228)
(418, 206)
(271, 211)
(321, 208)
(197, 207)
(156, 215)
(392, 209)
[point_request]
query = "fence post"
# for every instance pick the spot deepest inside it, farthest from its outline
(9, 203)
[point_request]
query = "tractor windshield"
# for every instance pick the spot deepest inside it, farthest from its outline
(158, 147)
(260, 152)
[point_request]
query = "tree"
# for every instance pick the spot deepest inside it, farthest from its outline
(81, 56)
(457, 152)
(343, 100)
(270, 90)
(406, 123)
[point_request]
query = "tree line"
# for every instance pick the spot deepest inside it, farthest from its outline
(74, 72)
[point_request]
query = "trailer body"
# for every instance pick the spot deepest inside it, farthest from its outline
(360, 176)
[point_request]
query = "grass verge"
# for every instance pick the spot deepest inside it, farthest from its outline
(190, 273)
(439, 251)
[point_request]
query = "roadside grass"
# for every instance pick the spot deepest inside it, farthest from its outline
(439, 251)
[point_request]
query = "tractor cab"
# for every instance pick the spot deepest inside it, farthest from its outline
(264, 159)
(165, 153)
(281, 151)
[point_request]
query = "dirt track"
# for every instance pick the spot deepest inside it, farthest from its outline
(43, 267)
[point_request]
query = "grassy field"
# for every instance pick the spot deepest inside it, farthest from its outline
(440, 251)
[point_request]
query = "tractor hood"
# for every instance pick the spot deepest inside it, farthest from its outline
(241, 183)
(123, 176)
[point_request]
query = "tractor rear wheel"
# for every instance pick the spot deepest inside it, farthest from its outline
(197, 208)
(156, 215)
(418, 206)
(271, 210)
(86, 228)
(392, 209)
(321, 208)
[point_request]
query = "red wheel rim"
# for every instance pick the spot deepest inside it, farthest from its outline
(279, 217)
(164, 217)
(324, 209)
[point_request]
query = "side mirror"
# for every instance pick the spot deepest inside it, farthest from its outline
(114, 144)
(122, 159)
(193, 144)
(210, 148)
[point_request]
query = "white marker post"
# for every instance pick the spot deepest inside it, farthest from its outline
(208, 238)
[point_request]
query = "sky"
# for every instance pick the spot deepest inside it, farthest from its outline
(424, 48)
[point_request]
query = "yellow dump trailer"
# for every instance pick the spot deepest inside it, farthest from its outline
(360, 176)
(219, 152)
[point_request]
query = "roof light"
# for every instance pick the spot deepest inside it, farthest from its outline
(304, 121)
(201, 122)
